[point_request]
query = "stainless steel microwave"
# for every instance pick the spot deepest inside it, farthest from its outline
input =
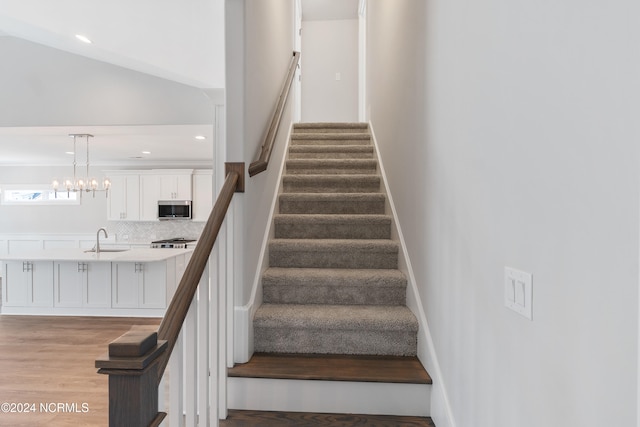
(174, 209)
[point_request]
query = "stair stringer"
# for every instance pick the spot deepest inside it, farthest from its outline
(440, 405)
(243, 315)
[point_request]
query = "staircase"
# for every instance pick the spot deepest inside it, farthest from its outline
(333, 286)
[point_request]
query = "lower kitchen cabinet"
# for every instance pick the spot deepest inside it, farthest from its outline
(93, 287)
(82, 284)
(28, 284)
(141, 284)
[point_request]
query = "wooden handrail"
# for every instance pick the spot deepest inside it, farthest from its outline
(260, 165)
(137, 360)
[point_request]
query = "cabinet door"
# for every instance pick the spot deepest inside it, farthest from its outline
(153, 285)
(41, 289)
(132, 212)
(202, 196)
(97, 285)
(149, 196)
(175, 187)
(15, 284)
(183, 187)
(124, 198)
(124, 291)
(68, 283)
(168, 187)
(117, 202)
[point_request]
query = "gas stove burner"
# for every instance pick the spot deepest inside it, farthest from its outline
(176, 242)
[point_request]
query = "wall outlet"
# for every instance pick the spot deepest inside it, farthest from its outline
(518, 292)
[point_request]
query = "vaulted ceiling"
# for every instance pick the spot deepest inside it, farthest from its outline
(149, 41)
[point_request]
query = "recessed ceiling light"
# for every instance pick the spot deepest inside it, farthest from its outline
(69, 152)
(146, 152)
(200, 137)
(84, 39)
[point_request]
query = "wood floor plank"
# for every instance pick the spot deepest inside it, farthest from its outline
(49, 360)
(306, 419)
(334, 368)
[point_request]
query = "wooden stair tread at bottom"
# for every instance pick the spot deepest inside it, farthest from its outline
(238, 418)
(385, 369)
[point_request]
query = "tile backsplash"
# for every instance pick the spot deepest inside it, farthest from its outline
(129, 231)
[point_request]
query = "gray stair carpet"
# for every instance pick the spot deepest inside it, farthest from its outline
(333, 284)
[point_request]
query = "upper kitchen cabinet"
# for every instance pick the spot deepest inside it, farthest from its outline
(124, 197)
(202, 194)
(175, 186)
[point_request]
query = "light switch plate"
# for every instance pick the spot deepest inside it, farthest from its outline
(518, 291)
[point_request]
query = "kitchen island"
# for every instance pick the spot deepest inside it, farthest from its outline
(75, 282)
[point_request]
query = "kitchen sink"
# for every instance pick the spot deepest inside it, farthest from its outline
(107, 250)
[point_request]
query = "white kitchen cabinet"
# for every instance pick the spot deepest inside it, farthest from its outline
(82, 284)
(202, 194)
(141, 284)
(175, 187)
(28, 284)
(149, 196)
(124, 198)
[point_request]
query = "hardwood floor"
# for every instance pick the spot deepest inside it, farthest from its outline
(393, 369)
(304, 419)
(48, 361)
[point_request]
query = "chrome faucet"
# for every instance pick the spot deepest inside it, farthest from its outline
(98, 238)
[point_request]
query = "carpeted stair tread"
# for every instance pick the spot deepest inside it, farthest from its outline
(324, 226)
(335, 329)
(333, 253)
(339, 183)
(334, 166)
(331, 152)
(334, 286)
(332, 203)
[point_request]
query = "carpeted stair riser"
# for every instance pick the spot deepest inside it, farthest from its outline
(330, 139)
(312, 226)
(331, 183)
(346, 329)
(319, 203)
(331, 166)
(331, 152)
(334, 286)
(330, 127)
(330, 253)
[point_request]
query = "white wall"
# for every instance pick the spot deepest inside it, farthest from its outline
(329, 48)
(257, 62)
(509, 134)
(42, 86)
(86, 217)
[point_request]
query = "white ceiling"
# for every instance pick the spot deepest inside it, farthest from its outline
(168, 145)
(178, 41)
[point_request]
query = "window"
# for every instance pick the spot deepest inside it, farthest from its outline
(36, 195)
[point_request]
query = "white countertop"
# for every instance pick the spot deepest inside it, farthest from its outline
(129, 255)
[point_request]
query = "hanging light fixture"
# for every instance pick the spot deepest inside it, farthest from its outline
(85, 183)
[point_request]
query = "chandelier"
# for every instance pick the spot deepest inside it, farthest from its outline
(85, 183)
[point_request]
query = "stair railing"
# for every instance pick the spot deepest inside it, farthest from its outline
(137, 360)
(260, 165)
